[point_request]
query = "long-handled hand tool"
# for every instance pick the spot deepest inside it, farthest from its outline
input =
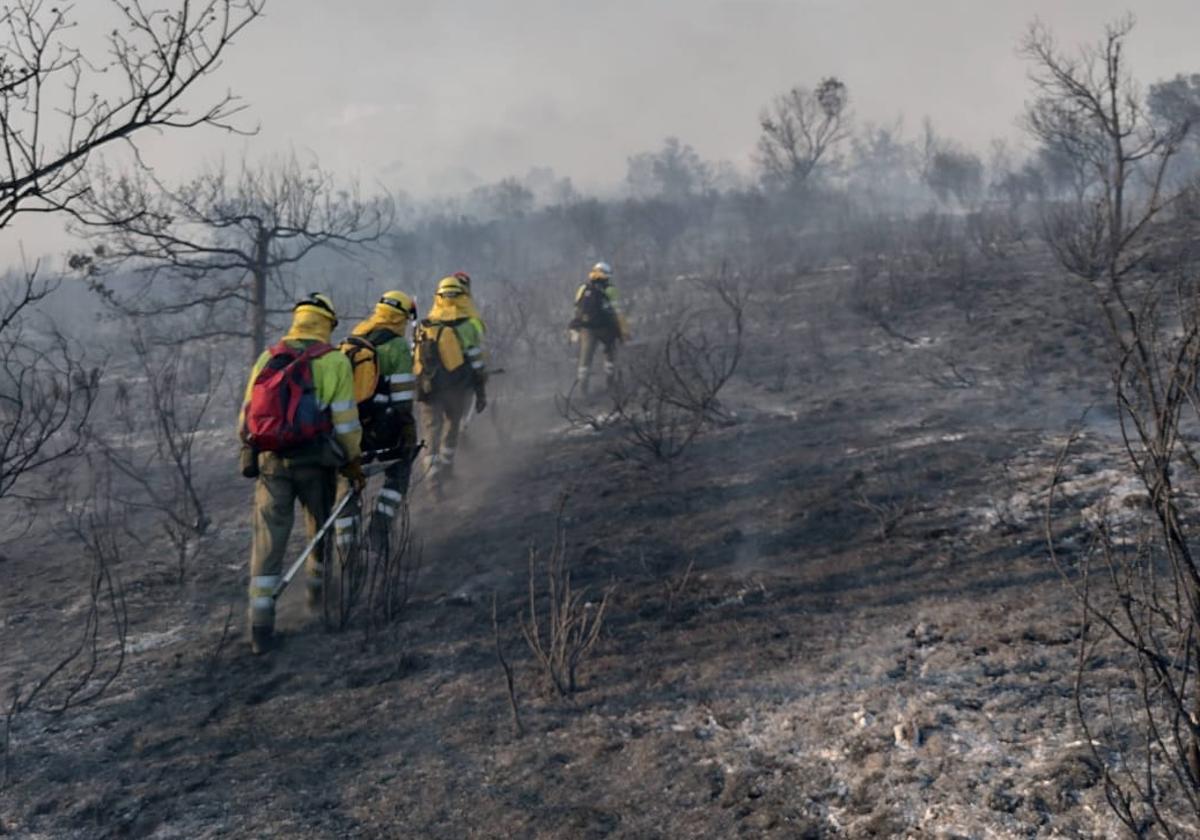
(369, 471)
(313, 543)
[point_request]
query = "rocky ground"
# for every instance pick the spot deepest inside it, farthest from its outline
(833, 617)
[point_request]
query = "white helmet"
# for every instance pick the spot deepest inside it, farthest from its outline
(601, 271)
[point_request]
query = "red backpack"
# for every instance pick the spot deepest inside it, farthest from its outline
(284, 413)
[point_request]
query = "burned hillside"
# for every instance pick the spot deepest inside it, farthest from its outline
(847, 491)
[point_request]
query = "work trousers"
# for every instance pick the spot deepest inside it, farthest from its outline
(280, 484)
(589, 340)
(388, 505)
(442, 415)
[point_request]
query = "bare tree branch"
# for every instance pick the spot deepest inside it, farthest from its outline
(800, 128)
(216, 241)
(49, 88)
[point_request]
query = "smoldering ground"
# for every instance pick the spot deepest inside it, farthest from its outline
(825, 569)
(786, 574)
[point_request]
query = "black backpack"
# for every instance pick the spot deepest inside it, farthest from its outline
(428, 359)
(594, 309)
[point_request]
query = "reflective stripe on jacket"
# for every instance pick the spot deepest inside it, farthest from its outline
(471, 338)
(396, 372)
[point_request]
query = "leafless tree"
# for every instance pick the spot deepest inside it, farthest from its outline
(995, 231)
(59, 105)
(669, 392)
(516, 319)
(1089, 111)
(800, 128)
(888, 499)
(877, 290)
(701, 357)
(375, 575)
(218, 240)
(654, 428)
(92, 663)
(505, 199)
(944, 371)
(165, 471)
(564, 631)
(949, 170)
(509, 680)
(46, 390)
(392, 576)
(674, 173)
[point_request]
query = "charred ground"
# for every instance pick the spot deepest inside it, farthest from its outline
(833, 616)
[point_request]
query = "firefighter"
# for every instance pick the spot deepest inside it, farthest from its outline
(386, 414)
(296, 455)
(450, 367)
(597, 322)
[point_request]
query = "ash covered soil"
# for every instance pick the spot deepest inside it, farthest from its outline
(833, 617)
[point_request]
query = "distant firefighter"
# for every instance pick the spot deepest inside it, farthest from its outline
(597, 321)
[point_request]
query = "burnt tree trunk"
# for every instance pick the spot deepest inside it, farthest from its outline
(262, 247)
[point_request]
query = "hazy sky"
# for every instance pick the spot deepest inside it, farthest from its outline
(415, 94)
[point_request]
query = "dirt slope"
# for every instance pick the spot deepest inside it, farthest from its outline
(834, 617)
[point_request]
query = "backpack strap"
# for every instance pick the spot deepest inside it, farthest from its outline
(283, 349)
(283, 355)
(361, 342)
(312, 351)
(317, 350)
(434, 329)
(381, 336)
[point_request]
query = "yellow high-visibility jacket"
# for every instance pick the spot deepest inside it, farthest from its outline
(394, 356)
(461, 343)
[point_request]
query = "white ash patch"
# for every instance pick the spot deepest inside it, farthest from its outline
(915, 442)
(144, 642)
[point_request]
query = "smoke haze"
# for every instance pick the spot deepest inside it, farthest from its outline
(435, 98)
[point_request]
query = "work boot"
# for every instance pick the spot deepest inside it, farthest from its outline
(262, 638)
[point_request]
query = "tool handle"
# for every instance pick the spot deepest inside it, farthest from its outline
(312, 544)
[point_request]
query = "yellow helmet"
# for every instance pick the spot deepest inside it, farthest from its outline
(401, 301)
(319, 303)
(450, 287)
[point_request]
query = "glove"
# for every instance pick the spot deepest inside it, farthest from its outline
(248, 461)
(353, 472)
(480, 401)
(573, 336)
